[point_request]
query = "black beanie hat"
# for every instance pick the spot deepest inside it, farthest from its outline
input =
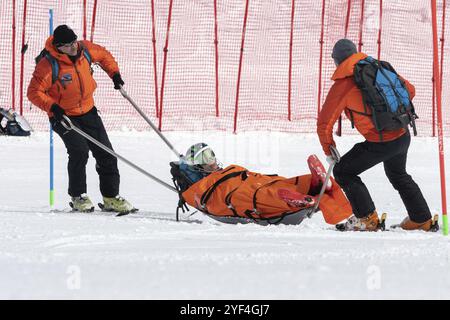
(343, 49)
(63, 34)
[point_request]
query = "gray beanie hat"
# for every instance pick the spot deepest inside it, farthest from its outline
(343, 49)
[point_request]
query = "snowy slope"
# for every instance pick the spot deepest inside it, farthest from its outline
(149, 255)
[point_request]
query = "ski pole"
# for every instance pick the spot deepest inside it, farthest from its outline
(336, 158)
(66, 123)
(126, 96)
(51, 150)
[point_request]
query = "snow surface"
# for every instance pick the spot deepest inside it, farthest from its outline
(149, 255)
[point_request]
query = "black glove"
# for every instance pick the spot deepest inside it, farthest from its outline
(118, 82)
(57, 111)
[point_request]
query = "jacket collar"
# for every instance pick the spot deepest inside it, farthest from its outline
(345, 69)
(61, 57)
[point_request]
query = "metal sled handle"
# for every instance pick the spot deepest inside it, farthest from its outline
(67, 123)
(126, 96)
(335, 154)
(337, 157)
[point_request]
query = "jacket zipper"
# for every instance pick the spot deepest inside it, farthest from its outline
(81, 87)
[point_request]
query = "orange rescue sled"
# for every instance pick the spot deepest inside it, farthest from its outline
(236, 195)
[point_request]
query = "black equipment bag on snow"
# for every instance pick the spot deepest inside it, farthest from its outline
(15, 125)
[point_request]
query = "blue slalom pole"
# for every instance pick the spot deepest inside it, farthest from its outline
(52, 191)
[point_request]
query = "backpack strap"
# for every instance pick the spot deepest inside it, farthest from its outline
(352, 120)
(367, 91)
(413, 116)
(87, 55)
(55, 66)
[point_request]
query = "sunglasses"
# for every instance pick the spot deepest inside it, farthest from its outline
(67, 45)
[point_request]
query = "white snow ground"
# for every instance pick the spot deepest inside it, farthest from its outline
(150, 255)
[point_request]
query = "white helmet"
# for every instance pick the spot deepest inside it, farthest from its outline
(202, 157)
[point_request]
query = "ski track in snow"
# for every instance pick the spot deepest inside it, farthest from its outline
(149, 255)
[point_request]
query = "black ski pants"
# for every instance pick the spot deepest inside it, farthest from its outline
(78, 150)
(393, 154)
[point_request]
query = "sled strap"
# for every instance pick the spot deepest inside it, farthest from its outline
(255, 210)
(208, 193)
(229, 204)
(249, 213)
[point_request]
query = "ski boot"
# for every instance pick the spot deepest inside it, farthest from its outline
(117, 204)
(431, 225)
(318, 174)
(296, 199)
(369, 223)
(82, 204)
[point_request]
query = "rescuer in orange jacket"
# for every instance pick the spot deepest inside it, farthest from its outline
(389, 147)
(72, 95)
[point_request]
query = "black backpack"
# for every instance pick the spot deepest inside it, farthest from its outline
(181, 183)
(16, 125)
(385, 94)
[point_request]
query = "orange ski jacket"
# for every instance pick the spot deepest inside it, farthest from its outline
(345, 96)
(74, 89)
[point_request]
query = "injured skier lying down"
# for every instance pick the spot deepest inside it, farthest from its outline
(237, 195)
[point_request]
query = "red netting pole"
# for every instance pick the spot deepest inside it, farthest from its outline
(166, 46)
(290, 60)
(439, 114)
(155, 69)
(433, 114)
(444, 4)
(13, 78)
(320, 59)
(216, 45)
(22, 58)
(379, 29)
(94, 15)
(361, 26)
(442, 66)
(84, 20)
(240, 66)
(347, 21)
